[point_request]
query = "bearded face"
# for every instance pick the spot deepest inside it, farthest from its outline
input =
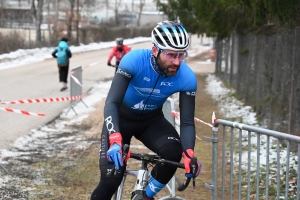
(169, 68)
(168, 60)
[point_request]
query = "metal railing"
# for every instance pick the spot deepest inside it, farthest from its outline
(245, 172)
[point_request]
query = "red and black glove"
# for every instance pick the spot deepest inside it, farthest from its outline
(115, 153)
(188, 155)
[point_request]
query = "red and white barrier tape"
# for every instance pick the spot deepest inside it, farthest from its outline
(43, 100)
(23, 112)
(176, 115)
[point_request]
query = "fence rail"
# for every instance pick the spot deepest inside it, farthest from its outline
(246, 172)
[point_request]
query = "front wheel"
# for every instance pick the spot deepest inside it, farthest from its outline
(138, 197)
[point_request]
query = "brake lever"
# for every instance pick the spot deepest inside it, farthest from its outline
(194, 170)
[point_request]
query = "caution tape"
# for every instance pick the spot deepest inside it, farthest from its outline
(23, 112)
(176, 115)
(43, 100)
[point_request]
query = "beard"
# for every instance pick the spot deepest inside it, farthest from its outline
(168, 69)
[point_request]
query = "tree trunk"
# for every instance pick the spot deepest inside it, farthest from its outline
(70, 19)
(142, 3)
(37, 15)
(117, 5)
(77, 23)
(55, 28)
(49, 23)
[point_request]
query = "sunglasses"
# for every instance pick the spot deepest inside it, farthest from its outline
(173, 56)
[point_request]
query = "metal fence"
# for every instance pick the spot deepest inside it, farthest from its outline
(255, 163)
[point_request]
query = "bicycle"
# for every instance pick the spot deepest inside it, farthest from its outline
(142, 176)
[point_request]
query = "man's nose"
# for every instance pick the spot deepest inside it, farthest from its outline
(176, 61)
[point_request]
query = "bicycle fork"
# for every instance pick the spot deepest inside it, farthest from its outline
(141, 183)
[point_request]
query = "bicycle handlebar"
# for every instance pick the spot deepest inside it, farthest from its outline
(155, 159)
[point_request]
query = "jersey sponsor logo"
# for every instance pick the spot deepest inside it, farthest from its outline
(109, 125)
(191, 93)
(139, 106)
(147, 90)
(166, 84)
(147, 79)
(155, 93)
(173, 138)
(119, 71)
(102, 150)
(142, 106)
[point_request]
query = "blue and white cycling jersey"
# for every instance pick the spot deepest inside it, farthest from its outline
(148, 88)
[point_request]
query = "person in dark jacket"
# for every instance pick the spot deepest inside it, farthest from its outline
(63, 54)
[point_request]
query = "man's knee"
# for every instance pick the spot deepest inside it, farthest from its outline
(171, 151)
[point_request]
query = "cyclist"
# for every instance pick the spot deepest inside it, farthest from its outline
(144, 80)
(118, 52)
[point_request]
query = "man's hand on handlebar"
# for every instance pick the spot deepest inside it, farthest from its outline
(191, 164)
(115, 153)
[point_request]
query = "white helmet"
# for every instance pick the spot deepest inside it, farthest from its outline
(170, 35)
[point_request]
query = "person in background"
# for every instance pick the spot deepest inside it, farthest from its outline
(118, 52)
(63, 54)
(141, 85)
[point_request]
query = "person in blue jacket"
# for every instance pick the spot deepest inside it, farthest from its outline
(63, 54)
(143, 82)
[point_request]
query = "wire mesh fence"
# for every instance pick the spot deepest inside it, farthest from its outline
(265, 72)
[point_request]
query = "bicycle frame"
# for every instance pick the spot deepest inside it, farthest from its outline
(140, 175)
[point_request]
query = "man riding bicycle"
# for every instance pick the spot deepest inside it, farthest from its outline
(141, 85)
(118, 52)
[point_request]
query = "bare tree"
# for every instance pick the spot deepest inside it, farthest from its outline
(2, 3)
(77, 21)
(116, 9)
(49, 21)
(37, 14)
(142, 4)
(70, 16)
(55, 25)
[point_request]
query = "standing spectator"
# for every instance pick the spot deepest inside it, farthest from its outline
(118, 51)
(62, 53)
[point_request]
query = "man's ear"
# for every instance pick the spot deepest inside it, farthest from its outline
(154, 51)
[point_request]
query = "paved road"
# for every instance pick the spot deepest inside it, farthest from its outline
(40, 80)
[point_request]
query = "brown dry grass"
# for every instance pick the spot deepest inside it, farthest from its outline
(84, 176)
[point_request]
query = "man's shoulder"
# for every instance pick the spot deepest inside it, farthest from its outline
(186, 70)
(126, 47)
